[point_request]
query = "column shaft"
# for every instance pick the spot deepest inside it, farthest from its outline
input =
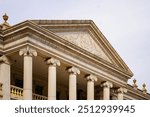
(27, 53)
(90, 90)
(52, 82)
(106, 93)
(27, 88)
(90, 86)
(121, 92)
(120, 96)
(52, 62)
(72, 87)
(73, 71)
(106, 90)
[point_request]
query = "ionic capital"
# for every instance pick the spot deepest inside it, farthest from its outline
(27, 52)
(121, 90)
(73, 70)
(106, 84)
(53, 61)
(4, 59)
(91, 77)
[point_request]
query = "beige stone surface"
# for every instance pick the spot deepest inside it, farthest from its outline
(90, 86)
(77, 43)
(106, 89)
(5, 77)
(84, 41)
(27, 54)
(52, 62)
(73, 71)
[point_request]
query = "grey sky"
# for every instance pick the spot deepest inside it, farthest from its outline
(125, 23)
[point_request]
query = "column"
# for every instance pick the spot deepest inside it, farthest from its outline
(5, 76)
(52, 62)
(73, 71)
(106, 89)
(90, 86)
(120, 93)
(28, 53)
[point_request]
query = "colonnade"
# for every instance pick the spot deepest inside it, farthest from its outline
(52, 63)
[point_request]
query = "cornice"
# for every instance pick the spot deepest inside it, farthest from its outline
(61, 22)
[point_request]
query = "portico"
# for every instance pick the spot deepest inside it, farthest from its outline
(59, 59)
(54, 75)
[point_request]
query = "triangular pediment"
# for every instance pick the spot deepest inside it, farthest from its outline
(85, 35)
(80, 35)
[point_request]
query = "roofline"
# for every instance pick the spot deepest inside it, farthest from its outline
(96, 31)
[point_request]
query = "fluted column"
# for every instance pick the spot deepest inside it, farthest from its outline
(5, 76)
(27, 53)
(120, 93)
(52, 62)
(73, 71)
(106, 89)
(90, 86)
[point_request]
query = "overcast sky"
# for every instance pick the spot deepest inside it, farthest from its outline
(125, 23)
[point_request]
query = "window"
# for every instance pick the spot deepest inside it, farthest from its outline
(19, 83)
(39, 90)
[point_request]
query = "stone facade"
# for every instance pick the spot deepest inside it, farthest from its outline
(61, 59)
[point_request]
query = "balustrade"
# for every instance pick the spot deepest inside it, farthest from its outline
(39, 97)
(17, 93)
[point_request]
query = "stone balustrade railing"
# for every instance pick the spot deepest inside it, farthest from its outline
(1, 94)
(17, 93)
(39, 97)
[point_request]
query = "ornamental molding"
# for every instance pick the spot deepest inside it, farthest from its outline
(53, 62)
(106, 84)
(85, 41)
(121, 90)
(73, 70)
(91, 77)
(27, 51)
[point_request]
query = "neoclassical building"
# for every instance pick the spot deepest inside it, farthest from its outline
(63, 60)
